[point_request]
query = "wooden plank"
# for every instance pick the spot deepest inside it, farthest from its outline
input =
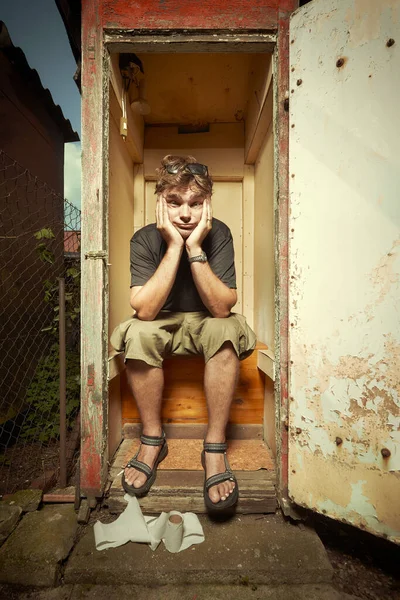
(263, 125)
(266, 363)
(193, 431)
(210, 14)
(114, 415)
(94, 385)
(224, 42)
(225, 163)
(183, 491)
(281, 219)
(248, 244)
(184, 400)
(138, 197)
(260, 111)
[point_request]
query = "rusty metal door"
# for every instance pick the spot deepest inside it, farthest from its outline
(344, 262)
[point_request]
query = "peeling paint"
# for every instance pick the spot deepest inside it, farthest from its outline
(344, 264)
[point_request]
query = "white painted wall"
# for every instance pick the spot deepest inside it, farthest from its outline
(345, 262)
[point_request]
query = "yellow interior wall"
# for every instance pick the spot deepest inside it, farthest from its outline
(264, 242)
(121, 188)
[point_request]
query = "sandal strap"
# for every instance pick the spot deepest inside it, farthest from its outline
(139, 466)
(219, 478)
(217, 448)
(151, 440)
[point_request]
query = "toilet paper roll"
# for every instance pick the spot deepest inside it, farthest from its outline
(177, 530)
(173, 534)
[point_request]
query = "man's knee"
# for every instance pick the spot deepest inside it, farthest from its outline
(223, 330)
(146, 341)
(232, 332)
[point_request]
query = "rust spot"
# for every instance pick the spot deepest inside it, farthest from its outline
(291, 324)
(385, 452)
(292, 230)
(238, 401)
(292, 41)
(293, 470)
(90, 375)
(299, 81)
(340, 62)
(286, 423)
(338, 441)
(390, 42)
(292, 174)
(292, 69)
(292, 125)
(298, 430)
(286, 104)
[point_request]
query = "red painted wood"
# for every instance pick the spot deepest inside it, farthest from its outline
(94, 450)
(178, 14)
(283, 220)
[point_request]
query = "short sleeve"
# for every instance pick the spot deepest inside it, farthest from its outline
(143, 263)
(221, 256)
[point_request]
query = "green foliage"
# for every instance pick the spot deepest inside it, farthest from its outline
(72, 300)
(72, 293)
(43, 420)
(45, 254)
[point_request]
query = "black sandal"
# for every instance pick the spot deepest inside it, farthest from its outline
(147, 440)
(228, 475)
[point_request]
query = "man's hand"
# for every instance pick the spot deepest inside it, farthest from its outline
(164, 225)
(195, 239)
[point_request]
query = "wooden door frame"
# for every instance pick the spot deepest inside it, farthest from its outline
(97, 43)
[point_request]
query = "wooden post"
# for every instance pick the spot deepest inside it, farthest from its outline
(94, 252)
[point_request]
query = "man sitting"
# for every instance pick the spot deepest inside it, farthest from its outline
(183, 287)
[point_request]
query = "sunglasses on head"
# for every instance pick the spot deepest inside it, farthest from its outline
(193, 168)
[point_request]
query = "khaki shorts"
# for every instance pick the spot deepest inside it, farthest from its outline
(182, 334)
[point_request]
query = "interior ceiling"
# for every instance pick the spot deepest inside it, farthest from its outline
(194, 89)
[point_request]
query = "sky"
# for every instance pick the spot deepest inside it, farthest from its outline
(37, 28)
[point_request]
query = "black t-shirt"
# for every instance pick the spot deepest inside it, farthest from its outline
(148, 249)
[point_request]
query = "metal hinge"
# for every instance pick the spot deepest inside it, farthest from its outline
(98, 254)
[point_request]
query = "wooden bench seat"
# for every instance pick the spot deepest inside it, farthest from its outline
(184, 400)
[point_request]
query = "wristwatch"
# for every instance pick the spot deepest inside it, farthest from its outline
(200, 258)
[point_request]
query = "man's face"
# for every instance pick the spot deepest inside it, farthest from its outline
(185, 207)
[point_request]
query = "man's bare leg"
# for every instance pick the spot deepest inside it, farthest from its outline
(220, 380)
(147, 385)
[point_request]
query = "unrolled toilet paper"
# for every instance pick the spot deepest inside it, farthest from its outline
(177, 530)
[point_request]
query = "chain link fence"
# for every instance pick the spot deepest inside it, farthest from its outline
(39, 243)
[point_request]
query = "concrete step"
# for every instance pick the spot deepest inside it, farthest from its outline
(248, 551)
(172, 592)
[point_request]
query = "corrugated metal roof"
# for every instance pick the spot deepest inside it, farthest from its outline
(17, 57)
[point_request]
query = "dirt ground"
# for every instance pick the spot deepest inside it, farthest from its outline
(365, 566)
(23, 463)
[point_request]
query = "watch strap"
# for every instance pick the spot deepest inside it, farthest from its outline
(200, 258)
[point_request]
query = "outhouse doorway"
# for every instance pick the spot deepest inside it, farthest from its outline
(217, 105)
